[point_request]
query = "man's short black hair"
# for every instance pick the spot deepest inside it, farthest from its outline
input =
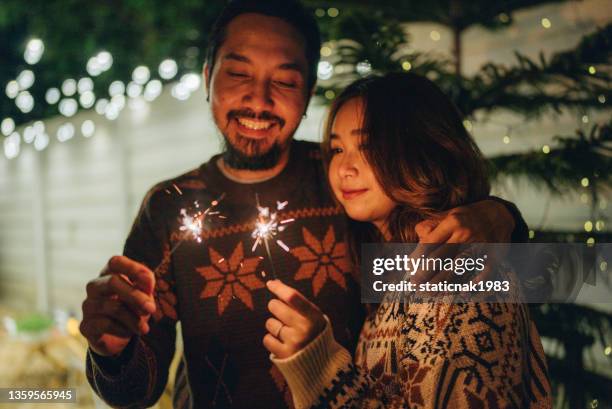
(292, 11)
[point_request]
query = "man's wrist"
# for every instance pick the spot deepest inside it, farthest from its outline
(520, 231)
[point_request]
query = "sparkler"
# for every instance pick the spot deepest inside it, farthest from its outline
(192, 223)
(267, 227)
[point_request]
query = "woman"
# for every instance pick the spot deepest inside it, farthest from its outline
(397, 154)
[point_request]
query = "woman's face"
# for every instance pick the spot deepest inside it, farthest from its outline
(350, 176)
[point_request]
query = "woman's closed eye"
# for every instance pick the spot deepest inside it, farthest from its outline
(285, 84)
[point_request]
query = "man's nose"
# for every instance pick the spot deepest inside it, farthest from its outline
(259, 96)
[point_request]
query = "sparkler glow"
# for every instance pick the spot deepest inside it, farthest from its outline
(192, 224)
(267, 227)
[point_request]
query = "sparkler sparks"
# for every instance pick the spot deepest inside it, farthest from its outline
(267, 227)
(192, 223)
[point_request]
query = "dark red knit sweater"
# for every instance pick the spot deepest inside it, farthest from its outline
(216, 287)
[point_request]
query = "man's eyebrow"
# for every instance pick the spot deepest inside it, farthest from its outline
(236, 57)
(291, 66)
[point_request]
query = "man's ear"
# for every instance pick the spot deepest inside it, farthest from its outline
(206, 74)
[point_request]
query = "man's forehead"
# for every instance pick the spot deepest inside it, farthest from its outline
(253, 33)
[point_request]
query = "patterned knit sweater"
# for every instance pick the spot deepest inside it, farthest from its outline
(426, 355)
(216, 287)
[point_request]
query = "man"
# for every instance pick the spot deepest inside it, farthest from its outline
(260, 74)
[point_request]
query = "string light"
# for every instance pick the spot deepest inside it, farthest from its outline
(191, 81)
(29, 134)
(134, 90)
(68, 107)
(99, 63)
(406, 66)
(546, 149)
(326, 51)
(333, 12)
(12, 89)
(588, 226)
(25, 102)
(363, 67)
(504, 18)
(468, 125)
(603, 266)
(531, 234)
(168, 69)
(88, 128)
(592, 70)
(546, 23)
(25, 79)
(52, 96)
(11, 145)
(7, 126)
(69, 87)
(325, 70)
(41, 141)
(434, 35)
(141, 75)
(84, 85)
(101, 106)
(599, 225)
(584, 182)
(87, 99)
(180, 92)
(34, 51)
(116, 88)
(329, 94)
(601, 99)
(585, 119)
(506, 139)
(152, 90)
(65, 132)
(320, 13)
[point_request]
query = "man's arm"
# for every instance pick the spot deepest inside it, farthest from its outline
(492, 220)
(136, 375)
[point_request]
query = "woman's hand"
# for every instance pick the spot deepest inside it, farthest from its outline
(296, 321)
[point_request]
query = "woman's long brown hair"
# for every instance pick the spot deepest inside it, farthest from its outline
(419, 150)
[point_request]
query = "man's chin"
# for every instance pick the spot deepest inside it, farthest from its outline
(251, 156)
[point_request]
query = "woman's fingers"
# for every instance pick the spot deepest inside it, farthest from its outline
(292, 297)
(285, 313)
(275, 346)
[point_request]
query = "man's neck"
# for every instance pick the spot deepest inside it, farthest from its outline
(253, 176)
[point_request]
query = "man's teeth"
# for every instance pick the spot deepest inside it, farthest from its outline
(255, 124)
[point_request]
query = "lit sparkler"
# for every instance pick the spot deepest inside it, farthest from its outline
(267, 227)
(192, 223)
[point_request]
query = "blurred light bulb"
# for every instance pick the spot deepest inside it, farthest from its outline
(12, 89)
(101, 106)
(11, 145)
(7, 126)
(191, 81)
(325, 70)
(87, 99)
(134, 90)
(88, 128)
(168, 69)
(52, 96)
(141, 75)
(69, 87)
(41, 141)
(25, 79)
(68, 107)
(34, 51)
(116, 88)
(85, 84)
(25, 102)
(152, 90)
(65, 132)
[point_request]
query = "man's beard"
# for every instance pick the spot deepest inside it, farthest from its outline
(255, 157)
(236, 159)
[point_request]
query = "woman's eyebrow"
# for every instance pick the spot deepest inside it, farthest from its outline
(358, 132)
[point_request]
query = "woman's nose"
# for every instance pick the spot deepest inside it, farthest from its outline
(348, 166)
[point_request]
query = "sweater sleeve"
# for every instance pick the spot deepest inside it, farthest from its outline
(137, 377)
(323, 370)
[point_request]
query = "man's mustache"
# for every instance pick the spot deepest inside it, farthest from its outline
(248, 113)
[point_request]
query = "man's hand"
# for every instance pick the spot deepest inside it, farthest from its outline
(118, 305)
(486, 221)
(296, 321)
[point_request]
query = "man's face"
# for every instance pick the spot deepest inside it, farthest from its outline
(258, 89)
